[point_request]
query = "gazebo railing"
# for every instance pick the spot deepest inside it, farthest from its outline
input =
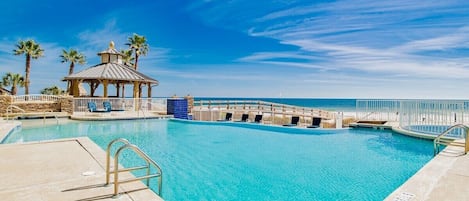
(122, 104)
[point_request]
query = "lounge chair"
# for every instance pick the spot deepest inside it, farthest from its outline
(294, 121)
(92, 108)
(228, 117)
(107, 106)
(258, 118)
(316, 123)
(244, 118)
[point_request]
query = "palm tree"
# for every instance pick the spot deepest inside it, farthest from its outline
(138, 44)
(54, 90)
(127, 57)
(72, 56)
(31, 50)
(14, 80)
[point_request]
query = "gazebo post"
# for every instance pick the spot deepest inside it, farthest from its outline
(105, 82)
(123, 91)
(136, 95)
(136, 88)
(140, 90)
(117, 89)
(75, 90)
(149, 90)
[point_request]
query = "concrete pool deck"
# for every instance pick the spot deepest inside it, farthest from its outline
(68, 169)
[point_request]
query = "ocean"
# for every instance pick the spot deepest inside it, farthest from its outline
(339, 105)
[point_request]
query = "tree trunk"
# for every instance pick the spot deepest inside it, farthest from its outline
(28, 69)
(14, 90)
(136, 61)
(70, 71)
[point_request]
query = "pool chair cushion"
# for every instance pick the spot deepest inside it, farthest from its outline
(92, 108)
(228, 117)
(316, 123)
(258, 118)
(294, 121)
(244, 118)
(108, 107)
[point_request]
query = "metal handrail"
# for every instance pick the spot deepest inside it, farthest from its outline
(108, 155)
(10, 108)
(116, 171)
(366, 116)
(440, 140)
(143, 112)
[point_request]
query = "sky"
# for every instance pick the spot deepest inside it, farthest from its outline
(245, 48)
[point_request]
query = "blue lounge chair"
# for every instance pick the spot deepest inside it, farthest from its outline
(294, 121)
(258, 118)
(316, 123)
(108, 107)
(92, 108)
(228, 117)
(244, 118)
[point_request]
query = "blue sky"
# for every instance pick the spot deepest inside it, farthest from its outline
(243, 48)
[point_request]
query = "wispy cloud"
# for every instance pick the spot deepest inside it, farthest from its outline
(369, 36)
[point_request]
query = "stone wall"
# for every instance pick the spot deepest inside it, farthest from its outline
(5, 101)
(38, 106)
(65, 104)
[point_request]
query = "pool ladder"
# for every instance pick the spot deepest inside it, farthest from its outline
(116, 171)
(442, 140)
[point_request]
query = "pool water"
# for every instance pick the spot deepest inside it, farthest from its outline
(219, 162)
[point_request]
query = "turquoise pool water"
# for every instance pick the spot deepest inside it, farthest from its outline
(220, 162)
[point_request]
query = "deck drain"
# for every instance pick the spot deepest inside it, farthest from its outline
(88, 173)
(404, 197)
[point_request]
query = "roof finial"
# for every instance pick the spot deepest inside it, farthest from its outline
(111, 45)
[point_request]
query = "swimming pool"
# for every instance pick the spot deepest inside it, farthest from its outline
(222, 162)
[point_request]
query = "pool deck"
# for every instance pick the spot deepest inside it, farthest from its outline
(67, 169)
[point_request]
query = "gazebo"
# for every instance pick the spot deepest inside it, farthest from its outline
(112, 71)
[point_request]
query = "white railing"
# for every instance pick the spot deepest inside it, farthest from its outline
(123, 104)
(35, 97)
(377, 109)
(424, 116)
(260, 107)
(433, 116)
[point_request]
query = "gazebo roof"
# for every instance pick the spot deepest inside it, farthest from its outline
(111, 72)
